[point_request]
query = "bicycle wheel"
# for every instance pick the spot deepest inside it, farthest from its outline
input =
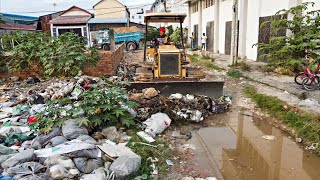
(311, 83)
(299, 78)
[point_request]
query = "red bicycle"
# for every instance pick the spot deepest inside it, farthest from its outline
(306, 74)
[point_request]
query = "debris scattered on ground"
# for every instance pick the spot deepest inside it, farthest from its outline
(309, 103)
(73, 149)
(269, 137)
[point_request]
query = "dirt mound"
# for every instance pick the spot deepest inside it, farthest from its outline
(126, 29)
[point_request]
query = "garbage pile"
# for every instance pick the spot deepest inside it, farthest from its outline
(69, 152)
(72, 151)
(177, 106)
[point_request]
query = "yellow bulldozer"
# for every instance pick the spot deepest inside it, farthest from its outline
(167, 68)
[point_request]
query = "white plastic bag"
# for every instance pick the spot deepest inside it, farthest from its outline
(157, 123)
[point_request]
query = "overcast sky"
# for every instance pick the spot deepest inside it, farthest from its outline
(41, 7)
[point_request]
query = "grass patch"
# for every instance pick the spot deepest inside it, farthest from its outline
(306, 125)
(162, 153)
(234, 73)
(201, 61)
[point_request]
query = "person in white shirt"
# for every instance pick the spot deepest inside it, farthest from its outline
(204, 42)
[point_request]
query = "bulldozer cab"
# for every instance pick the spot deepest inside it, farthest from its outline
(166, 61)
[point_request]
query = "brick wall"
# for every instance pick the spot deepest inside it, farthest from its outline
(108, 63)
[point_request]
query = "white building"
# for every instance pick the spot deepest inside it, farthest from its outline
(137, 15)
(214, 18)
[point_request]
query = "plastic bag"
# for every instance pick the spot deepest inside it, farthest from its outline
(99, 174)
(29, 171)
(6, 150)
(157, 123)
(86, 165)
(88, 153)
(43, 140)
(23, 156)
(58, 140)
(87, 139)
(126, 165)
(71, 130)
(58, 172)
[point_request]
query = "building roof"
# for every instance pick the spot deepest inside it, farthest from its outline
(165, 17)
(70, 20)
(104, 0)
(108, 21)
(31, 18)
(22, 27)
(76, 7)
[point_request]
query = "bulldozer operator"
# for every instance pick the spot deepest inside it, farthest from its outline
(161, 39)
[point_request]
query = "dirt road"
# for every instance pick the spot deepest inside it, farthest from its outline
(231, 146)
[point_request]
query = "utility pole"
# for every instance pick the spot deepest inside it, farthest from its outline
(54, 6)
(234, 37)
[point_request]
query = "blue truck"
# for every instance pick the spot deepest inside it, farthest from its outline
(131, 36)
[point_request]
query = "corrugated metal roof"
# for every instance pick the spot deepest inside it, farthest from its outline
(18, 27)
(108, 20)
(20, 16)
(70, 20)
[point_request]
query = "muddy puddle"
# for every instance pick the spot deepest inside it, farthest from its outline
(238, 152)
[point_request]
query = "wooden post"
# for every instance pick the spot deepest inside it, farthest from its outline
(145, 43)
(112, 40)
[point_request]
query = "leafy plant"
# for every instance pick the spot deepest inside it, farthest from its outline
(61, 56)
(234, 73)
(95, 108)
(304, 40)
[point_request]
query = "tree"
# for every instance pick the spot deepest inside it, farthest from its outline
(305, 39)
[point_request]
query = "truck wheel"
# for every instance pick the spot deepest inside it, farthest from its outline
(131, 46)
(106, 47)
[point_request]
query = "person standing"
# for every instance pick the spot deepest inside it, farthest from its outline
(192, 40)
(204, 42)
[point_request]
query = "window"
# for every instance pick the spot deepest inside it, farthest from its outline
(207, 3)
(140, 22)
(54, 32)
(132, 17)
(139, 17)
(195, 7)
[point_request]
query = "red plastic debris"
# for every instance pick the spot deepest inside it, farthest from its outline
(32, 119)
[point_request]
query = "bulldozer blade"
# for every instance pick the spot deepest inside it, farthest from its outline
(206, 88)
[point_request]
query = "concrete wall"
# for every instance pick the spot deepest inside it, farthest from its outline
(225, 16)
(110, 9)
(207, 16)
(257, 9)
(249, 13)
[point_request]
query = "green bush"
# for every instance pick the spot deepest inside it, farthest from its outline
(291, 50)
(234, 73)
(100, 107)
(61, 56)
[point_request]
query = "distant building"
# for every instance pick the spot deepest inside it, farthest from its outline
(109, 14)
(18, 19)
(170, 6)
(214, 17)
(73, 20)
(137, 15)
(44, 20)
(8, 28)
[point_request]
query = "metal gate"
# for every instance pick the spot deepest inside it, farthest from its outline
(195, 32)
(210, 35)
(227, 44)
(266, 32)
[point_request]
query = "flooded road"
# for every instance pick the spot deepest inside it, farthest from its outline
(238, 152)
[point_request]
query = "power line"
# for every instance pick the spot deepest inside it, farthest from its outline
(129, 7)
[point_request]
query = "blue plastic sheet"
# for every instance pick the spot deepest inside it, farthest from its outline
(6, 178)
